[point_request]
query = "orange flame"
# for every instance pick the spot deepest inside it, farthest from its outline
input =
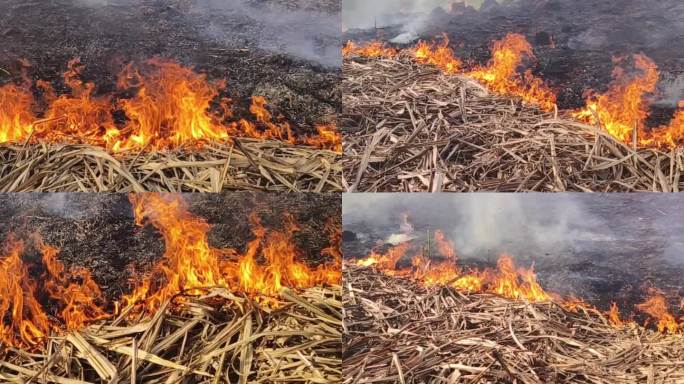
(505, 280)
(191, 265)
(614, 316)
(328, 137)
(501, 74)
(656, 307)
(444, 246)
(75, 290)
(370, 49)
(28, 324)
(439, 55)
(622, 108)
(170, 106)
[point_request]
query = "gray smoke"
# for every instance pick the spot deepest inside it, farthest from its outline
(413, 15)
(485, 224)
(303, 33)
(307, 34)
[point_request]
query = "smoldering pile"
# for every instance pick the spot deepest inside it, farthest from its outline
(398, 331)
(243, 164)
(219, 337)
(408, 127)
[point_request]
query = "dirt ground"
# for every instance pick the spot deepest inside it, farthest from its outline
(98, 230)
(242, 42)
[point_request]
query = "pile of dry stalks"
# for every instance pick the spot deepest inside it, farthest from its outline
(397, 331)
(245, 164)
(408, 128)
(217, 338)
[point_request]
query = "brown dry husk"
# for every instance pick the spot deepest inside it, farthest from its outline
(245, 164)
(217, 338)
(398, 332)
(410, 128)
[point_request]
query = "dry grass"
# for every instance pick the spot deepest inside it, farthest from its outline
(398, 332)
(217, 338)
(409, 128)
(246, 164)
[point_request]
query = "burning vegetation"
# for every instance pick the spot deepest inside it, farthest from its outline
(196, 307)
(160, 113)
(414, 314)
(447, 113)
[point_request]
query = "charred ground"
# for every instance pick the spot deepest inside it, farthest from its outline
(98, 231)
(105, 34)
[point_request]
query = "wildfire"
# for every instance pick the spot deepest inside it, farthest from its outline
(170, 106)
(28, 324)
(370, 49)
(623, 109)
(656, 307)
(506, 280)
(501, 74)
(190, 265)
(439, 55)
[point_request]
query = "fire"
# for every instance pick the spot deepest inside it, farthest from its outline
(656, 307)
(28, 324)
(24, 322)
(501, 74)
(16, 116)
(370, 49)
(439, 55)
(75, 290)
(614, 316)
(622, 109)
(388, 260)
(516, 283)
(169, 106)
(444, 245)
(506, 280)
(328, 137)
(191, 266)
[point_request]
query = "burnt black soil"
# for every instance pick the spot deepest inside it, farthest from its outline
(104, 34)
(574, 40)
(97, 231)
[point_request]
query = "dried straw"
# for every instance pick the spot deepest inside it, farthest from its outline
(410, 128)
(217, 338)
(398, 332)
(245, 164)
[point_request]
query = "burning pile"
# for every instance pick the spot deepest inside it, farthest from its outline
(165, 128)
(400, 331)
(415, 127)
(507, 280)
(199, 310)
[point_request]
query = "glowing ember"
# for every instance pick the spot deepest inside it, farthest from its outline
(170, 106)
